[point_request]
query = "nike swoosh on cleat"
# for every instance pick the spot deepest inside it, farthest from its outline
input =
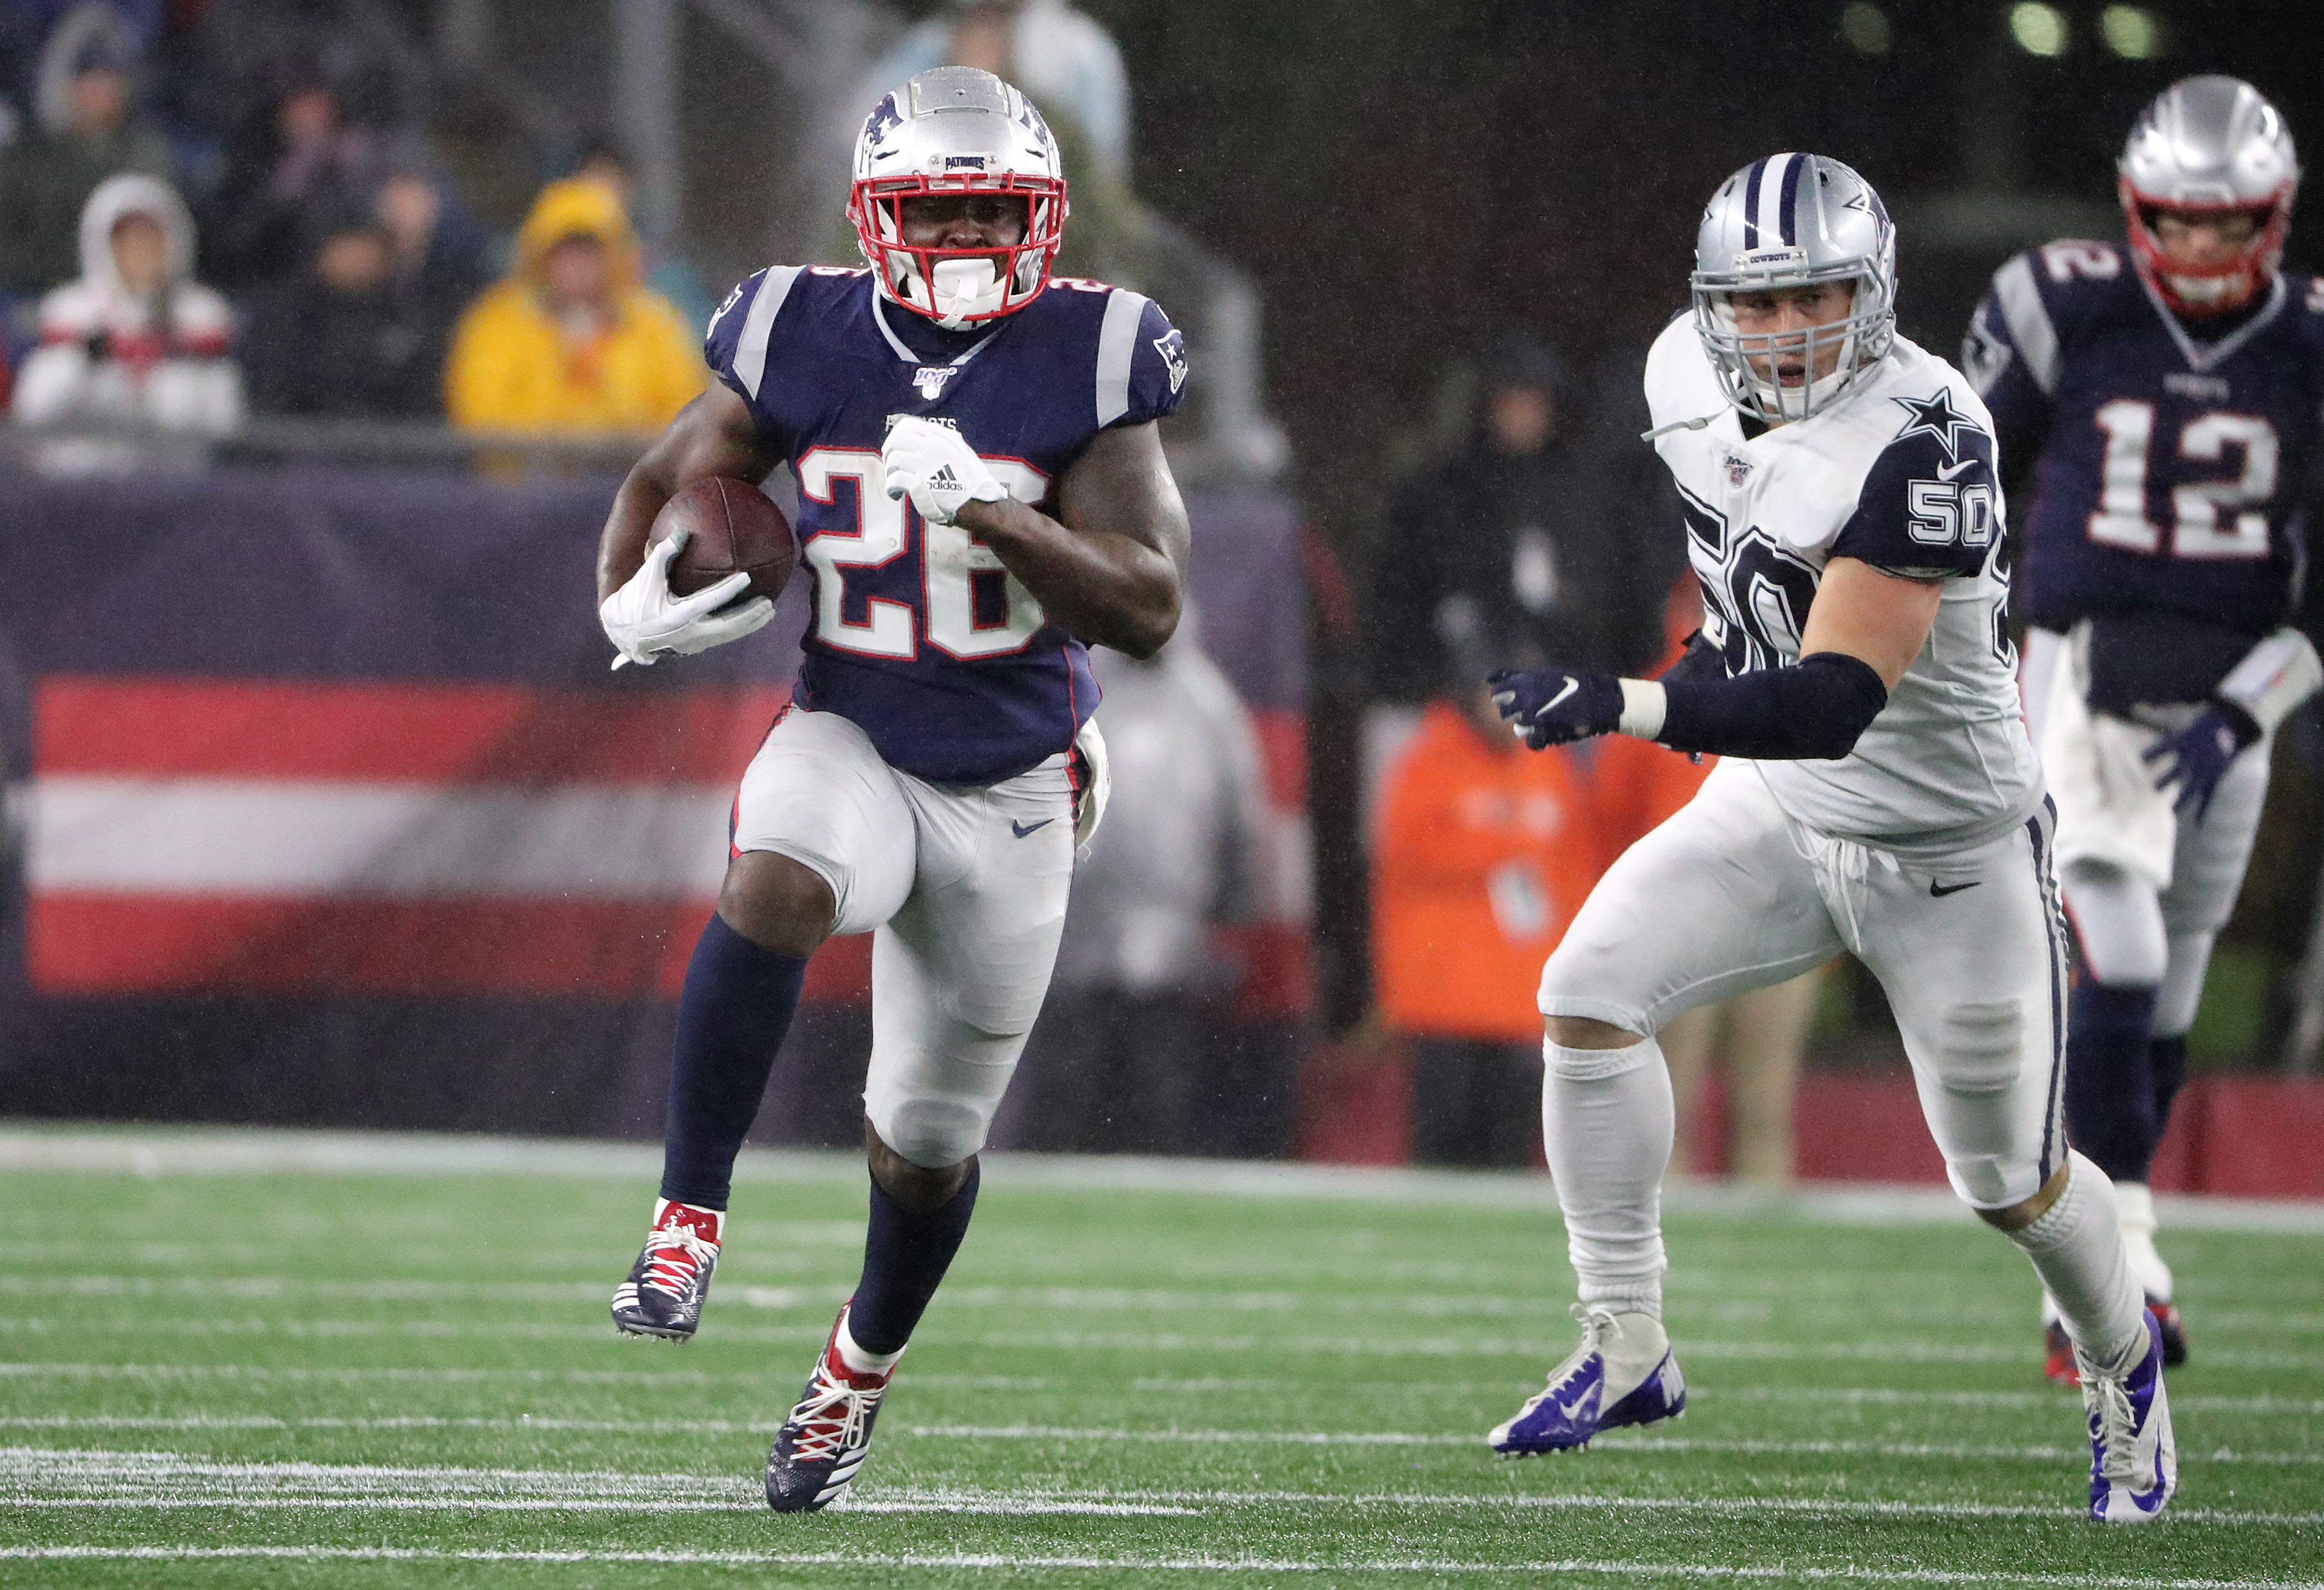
(1023, 829)
(1938, 891)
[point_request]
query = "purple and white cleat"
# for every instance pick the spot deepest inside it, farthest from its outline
(2133, 1460)
(1623, 1374)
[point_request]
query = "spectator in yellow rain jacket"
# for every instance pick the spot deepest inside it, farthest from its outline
(570, 341)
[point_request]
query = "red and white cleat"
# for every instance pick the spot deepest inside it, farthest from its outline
(664, 1293)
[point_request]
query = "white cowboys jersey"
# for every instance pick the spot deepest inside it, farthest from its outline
(1899, 473)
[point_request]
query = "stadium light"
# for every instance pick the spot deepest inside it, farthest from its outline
(1865, 27)
(2131, 31)
(2039, 29)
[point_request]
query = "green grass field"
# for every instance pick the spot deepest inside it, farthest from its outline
(223, 1372)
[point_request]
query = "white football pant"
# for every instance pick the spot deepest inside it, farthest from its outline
(963, 890)
(1731, 894)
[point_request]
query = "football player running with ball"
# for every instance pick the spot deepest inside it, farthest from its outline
(1877, 793)
(2163, 399)
(982, 492)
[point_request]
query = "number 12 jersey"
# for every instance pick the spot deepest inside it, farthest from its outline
(919, 635)
(2167, 473)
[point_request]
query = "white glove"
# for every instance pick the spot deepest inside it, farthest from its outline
(937, 467)
(644, 620)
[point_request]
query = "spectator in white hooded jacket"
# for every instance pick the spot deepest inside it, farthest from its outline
(136, 340)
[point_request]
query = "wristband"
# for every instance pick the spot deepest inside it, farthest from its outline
(1644, 704)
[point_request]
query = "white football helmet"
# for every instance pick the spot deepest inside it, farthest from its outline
(957, 130)
(2210, 143)
(1793, 220)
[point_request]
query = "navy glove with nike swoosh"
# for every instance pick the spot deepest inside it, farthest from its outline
(1549, 707)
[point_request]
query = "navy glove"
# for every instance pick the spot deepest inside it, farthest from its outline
(2196, 758)
(1558, 706)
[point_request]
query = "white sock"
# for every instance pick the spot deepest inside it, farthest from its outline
(1606, 1120)
(2076, 1247)
(863, 1360)
(2135, 1201)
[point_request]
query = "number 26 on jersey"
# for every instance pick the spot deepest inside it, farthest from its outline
(946, 615)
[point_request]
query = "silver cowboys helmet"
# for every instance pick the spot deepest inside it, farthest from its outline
(957, 130)
(2210, 143)
(1787, 221)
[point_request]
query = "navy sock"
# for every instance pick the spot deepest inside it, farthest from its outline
(905, 1257)
(2110, 1114)
(2166, 1064)
(737, 1004)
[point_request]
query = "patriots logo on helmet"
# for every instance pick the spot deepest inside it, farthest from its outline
(884, 119)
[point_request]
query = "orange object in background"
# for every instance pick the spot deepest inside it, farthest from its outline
(1485, 851)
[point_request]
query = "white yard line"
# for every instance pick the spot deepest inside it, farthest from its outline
(45, 1477)
(1545, 1350)
(1613, 1568)
(1615, 1445)
(2057, 1401)
(196, 1150)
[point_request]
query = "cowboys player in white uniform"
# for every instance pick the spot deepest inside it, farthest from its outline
(1877, 794)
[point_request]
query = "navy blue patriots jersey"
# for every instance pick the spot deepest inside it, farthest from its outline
(2151, 472)
(919, 634)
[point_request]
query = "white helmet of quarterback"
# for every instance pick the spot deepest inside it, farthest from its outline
(957, 130)
(1788, 221)
(2209, 145)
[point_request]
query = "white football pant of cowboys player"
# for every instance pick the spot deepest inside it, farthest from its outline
(1878, 795)
(2164, 394)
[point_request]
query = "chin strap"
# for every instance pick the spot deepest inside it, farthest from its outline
(1694, 424)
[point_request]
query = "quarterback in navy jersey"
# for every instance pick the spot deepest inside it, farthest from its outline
(982, 494)
(2158, 407)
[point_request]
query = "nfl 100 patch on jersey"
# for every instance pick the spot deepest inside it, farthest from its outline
(2170, 459)
(919, 634)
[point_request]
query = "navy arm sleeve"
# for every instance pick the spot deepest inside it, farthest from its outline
(1815, 710)
(1928, 509)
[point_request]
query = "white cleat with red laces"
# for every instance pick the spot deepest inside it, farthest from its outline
(826, 1438)
(664, 1293)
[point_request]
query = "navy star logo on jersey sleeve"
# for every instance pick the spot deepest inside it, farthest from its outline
(1935, 416)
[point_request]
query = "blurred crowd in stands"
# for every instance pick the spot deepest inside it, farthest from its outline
(221, 208)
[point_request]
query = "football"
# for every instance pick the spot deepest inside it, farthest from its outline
(735, 528)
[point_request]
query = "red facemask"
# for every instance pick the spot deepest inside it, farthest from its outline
(2188, 289)
(909, 275)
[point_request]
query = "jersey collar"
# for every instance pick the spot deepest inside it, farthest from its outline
(2202, 355)
(903, 349)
